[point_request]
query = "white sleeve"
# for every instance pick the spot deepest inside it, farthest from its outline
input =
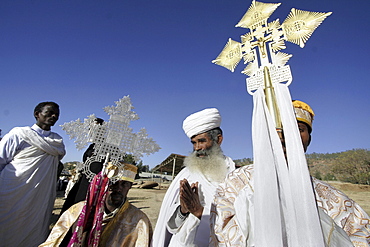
(177, 219)
(231, 221)
(8, 148)
(184, 235)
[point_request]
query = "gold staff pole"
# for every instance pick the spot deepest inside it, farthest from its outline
(271, 102)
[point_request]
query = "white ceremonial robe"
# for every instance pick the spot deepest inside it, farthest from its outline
(29, 159)
(193, 232)
(232, 219)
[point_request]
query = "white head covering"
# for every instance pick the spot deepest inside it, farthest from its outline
(202, 121)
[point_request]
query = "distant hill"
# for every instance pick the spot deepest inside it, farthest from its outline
(351, 166)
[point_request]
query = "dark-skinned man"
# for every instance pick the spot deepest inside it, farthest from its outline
(121, 224)
(29, 158)
(184, 216)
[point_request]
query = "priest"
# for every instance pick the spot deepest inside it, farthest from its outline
(116, 222)
(184, 215)
(343, 222)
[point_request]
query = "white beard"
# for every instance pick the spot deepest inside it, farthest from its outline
(212, 166)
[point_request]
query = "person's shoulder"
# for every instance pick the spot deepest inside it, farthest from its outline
(15, 133)
(134, 211)
(246, 171)
(240, 177)
(229, 159)
(229, 163)
(16, 130)
(56, 135)
(78, 206)
(325, 189)
(184, 173)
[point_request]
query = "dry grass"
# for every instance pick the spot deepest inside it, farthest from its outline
(357, 192)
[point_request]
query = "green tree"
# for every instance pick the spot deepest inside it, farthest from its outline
(243, 162)
(353, 166)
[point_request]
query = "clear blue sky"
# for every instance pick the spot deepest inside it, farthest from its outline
(85, 55)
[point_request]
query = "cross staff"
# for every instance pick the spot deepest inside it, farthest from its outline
(260, 48)
(284, 207)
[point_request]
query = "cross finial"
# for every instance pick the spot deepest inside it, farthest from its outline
(260, 48)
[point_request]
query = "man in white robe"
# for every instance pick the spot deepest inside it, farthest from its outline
(29, 158)
(343, 221)
(185, 212)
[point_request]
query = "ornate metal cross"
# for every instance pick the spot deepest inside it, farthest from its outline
(114, 136)
(260, 48)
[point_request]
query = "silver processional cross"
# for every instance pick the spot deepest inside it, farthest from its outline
(114, 136)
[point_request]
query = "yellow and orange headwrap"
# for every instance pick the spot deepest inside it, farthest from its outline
(303, 113)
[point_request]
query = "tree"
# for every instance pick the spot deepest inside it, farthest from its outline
(353, 166)
(243, 162)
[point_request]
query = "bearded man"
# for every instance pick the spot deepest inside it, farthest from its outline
(184, 216)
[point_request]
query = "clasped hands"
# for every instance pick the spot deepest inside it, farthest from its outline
(189, 199)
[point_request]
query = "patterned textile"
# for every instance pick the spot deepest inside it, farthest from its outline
(232, 221)
(127, 228)
(344, 211)
(94, 206)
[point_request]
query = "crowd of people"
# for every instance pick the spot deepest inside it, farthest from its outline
(209, 203)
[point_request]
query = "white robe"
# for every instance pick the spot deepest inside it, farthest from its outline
(193, 232)
(342, 220)
(276, 206)
(29, 160)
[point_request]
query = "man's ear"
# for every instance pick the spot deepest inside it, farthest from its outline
(309, 140)
(219, 139)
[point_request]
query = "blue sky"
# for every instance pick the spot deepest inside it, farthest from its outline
(85, 55)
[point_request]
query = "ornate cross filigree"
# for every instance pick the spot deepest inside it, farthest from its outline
(114, 136)
(260, 48)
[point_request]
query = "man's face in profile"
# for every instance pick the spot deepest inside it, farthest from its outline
(305, 135)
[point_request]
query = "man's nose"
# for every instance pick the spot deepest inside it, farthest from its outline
(197, 146)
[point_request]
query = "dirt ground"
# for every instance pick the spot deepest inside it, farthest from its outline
(150, 200)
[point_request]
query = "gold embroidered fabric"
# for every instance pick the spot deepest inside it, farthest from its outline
(228, 230)
(344, 211)
(130, 227)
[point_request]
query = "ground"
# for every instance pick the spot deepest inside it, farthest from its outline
(150, 200)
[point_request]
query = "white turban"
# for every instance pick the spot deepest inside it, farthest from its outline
(202, 121)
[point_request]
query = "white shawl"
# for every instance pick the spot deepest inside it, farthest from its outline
(284, 198)
(27, 187)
